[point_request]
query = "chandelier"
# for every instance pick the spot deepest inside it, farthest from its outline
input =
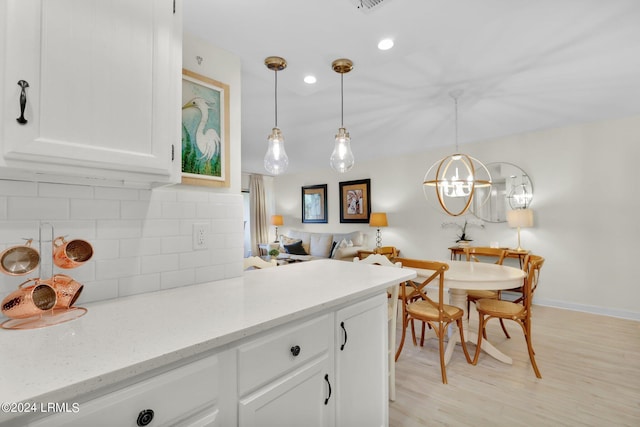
(454, 179)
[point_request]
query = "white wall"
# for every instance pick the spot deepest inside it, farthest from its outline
(142, 238)
(585, 205)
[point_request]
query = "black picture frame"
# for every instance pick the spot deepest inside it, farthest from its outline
(355, 201)
(314, 204)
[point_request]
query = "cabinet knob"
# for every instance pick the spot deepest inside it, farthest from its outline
(145, 417)
(295, 350)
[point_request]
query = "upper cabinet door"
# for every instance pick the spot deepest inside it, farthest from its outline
(103, 88)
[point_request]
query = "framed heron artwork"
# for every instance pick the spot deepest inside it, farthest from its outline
(205, 131)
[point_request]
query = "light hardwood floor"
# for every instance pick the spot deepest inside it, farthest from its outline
(590, 368)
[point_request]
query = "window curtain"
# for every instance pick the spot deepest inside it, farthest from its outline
(258, 212)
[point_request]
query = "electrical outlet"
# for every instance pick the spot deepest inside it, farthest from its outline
(200, 236)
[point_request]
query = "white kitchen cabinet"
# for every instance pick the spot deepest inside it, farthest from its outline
(104, 91)
(361, 364)
(279, 389)
(187, 396)
(295, 399)
(285, 377)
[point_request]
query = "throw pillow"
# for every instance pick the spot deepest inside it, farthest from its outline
(295, 248)
(320, 244)
(332, 252)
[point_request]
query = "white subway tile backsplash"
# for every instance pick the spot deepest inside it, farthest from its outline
(141, 209)
(160, 227)
(77, 229)
(117, 193)
(140, 247)
(177, 244)
(106, 249)
(139, 284)
(98, 291)
(65, 191)
(122, 229)
(94, 209)
(18, 188)
(211, 273)
(46, 209)
(142, 239)
(178, 209)
(198, 259)
(158, 263)
(175, 279)
(117, 268)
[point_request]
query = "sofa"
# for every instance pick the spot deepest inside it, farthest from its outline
(342, 246)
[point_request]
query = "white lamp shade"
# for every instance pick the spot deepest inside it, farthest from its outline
(522, 218)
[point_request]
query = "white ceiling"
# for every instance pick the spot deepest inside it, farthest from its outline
(523, 65)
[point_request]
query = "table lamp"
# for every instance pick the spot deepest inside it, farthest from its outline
(378, 219)
(520, 218)
(277, 220)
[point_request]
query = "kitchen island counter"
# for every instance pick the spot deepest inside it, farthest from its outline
(126, 337)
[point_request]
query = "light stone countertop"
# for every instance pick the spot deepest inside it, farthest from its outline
(125, 337)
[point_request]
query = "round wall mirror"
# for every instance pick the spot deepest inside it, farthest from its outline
(511, 188)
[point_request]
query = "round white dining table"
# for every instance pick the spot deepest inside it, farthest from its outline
(468, 275)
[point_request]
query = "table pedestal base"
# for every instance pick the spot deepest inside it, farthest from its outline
(458, 297)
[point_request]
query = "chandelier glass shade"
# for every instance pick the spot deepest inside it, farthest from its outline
(342, 159)
(453, 180)
(276, 159)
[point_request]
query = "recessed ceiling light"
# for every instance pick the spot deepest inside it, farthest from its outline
(385, 44)
(310, 79)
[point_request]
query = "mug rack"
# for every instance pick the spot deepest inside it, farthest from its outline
(58, 313)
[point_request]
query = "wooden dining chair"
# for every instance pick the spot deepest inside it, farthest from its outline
(484, 254)
(389, 251)
(417, 305)
(519, 312)
(257, 262)
(393, 292)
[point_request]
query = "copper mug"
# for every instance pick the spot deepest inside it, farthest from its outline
(72, 253)
(19, 260)
(67, 290)
(29, 301)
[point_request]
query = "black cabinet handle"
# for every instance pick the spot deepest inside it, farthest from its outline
(326, 378)
(345, 336)
(295, 350)
(145, 417)
(23, 101)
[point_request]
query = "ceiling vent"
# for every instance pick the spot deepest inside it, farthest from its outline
(368, 5)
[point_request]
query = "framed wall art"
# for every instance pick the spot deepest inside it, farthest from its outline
(205, 131)
(314, 204)
(355, 201)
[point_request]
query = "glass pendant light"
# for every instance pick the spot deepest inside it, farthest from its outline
(342, 159)
(276, 159)
(453, 180)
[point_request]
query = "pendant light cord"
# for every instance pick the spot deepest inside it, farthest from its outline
(456, 122)
(276, 97)
(342, 100)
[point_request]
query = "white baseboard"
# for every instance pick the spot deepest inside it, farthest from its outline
(623, 314)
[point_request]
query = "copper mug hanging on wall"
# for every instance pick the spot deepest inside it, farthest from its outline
(72, 253)
(33, 300)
